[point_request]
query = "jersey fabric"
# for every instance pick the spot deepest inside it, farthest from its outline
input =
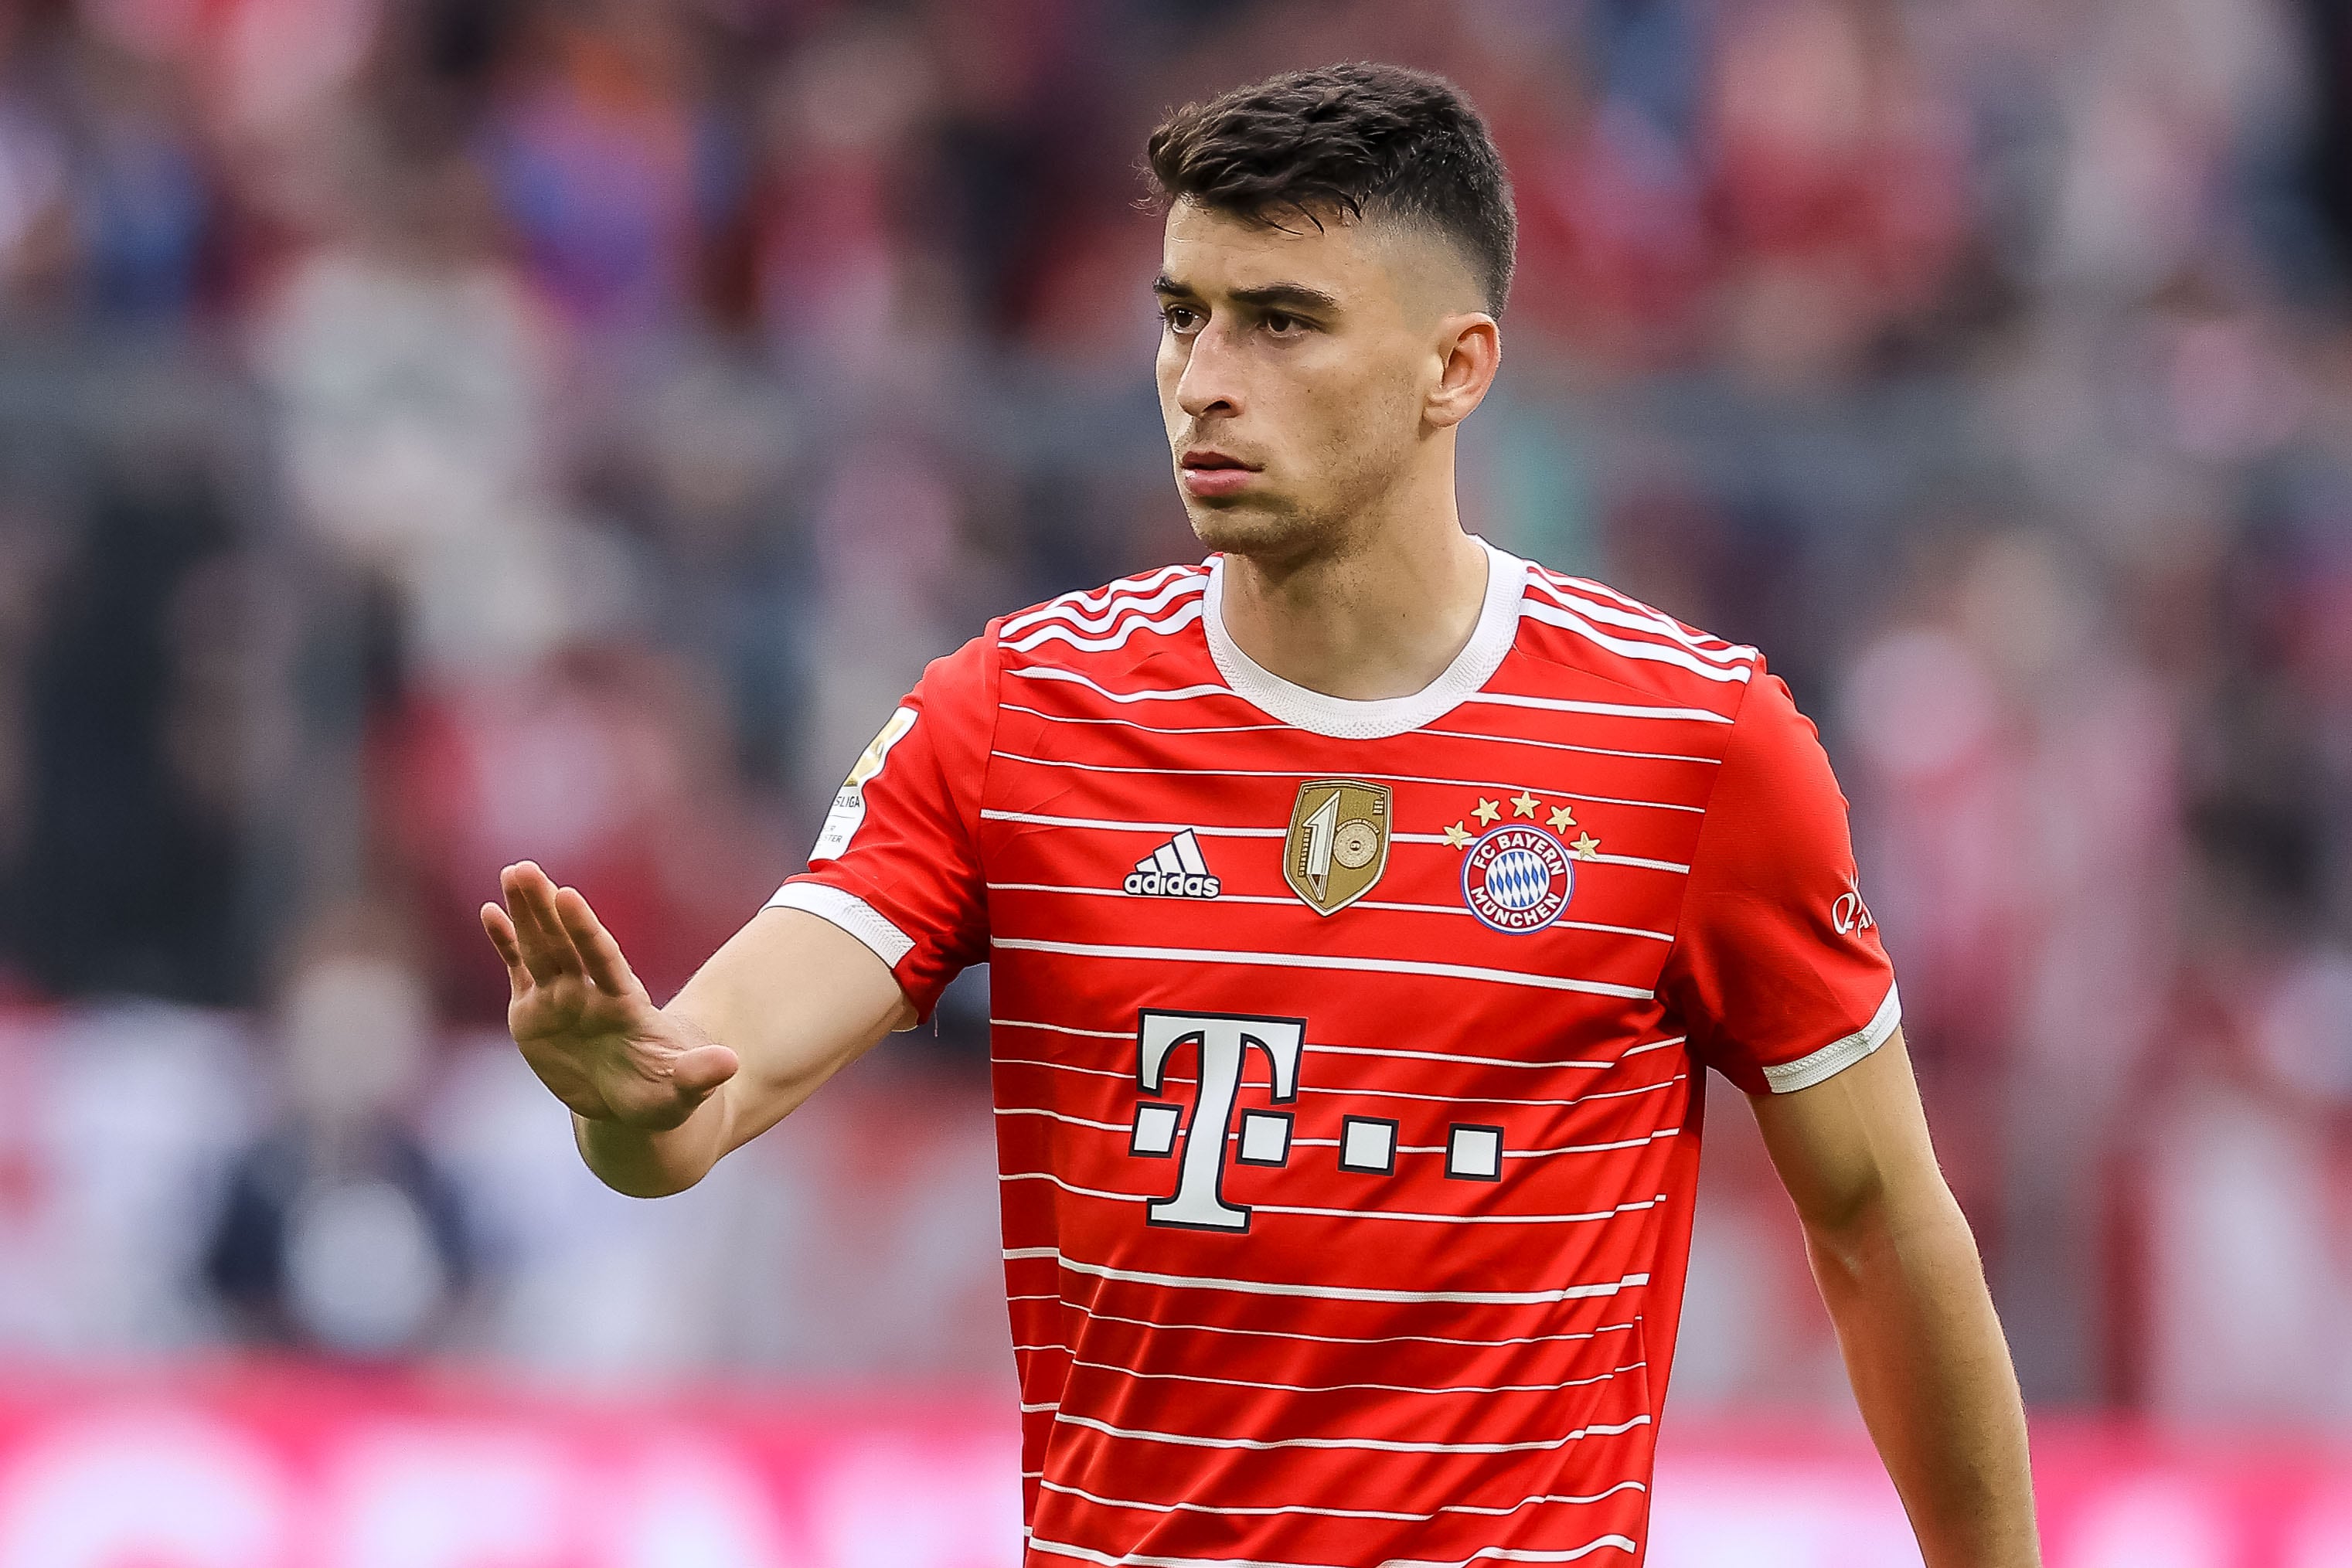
(1346, 1055)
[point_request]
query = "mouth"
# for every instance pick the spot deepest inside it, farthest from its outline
(1205, 474)
(1203, 459)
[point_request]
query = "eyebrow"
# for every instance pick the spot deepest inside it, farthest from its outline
(1296, 295)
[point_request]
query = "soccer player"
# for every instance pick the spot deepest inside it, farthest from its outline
(1364, 907)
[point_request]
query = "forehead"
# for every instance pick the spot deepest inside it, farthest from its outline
(1210, 251)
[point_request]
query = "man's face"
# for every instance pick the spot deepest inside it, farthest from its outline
(1296, 368)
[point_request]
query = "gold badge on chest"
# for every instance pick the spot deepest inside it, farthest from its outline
(1339, 842)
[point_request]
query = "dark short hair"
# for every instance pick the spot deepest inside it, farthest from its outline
(1358, 139)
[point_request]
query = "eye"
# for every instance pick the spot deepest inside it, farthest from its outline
(1283, 326)
(1181, 320)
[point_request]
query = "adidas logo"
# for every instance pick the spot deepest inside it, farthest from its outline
(1174, 870)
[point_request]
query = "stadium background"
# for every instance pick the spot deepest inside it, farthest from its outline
(433, 432)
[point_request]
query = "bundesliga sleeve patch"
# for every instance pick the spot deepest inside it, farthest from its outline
(848, 813)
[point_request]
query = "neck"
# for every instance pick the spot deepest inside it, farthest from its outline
(1381, 617)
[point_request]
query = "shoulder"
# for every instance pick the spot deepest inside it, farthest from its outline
(1115, 625)
(1589, 628)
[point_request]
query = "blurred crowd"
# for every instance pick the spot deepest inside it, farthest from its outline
(433, 432)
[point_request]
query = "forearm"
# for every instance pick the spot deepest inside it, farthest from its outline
(842, 999)
(1932, 1374)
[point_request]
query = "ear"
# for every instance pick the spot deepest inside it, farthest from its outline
(1470, 350)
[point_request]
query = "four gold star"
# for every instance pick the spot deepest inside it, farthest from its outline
(1524, 804)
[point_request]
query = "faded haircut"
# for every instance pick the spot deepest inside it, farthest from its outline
(1359, 139)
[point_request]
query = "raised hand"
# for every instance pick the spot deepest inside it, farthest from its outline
(583, 1022)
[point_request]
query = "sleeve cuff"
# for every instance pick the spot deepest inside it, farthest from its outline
(850, 911)
(1839, 1054)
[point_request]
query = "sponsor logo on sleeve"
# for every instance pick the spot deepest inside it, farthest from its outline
(1850, 914)
(848, 813)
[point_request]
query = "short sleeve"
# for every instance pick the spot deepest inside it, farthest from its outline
(897, 864)
(1777, 972)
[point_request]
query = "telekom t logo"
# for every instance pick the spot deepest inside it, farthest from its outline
(1223, 1043)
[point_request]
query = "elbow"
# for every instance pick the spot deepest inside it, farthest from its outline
(639, 1184)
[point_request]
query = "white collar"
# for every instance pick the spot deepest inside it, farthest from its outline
(1349, 719)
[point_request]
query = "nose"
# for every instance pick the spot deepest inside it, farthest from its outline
(1209, 385)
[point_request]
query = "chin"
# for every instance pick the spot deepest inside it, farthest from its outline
(1250, 530)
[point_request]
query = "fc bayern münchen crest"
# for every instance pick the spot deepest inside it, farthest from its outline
(1518, 878)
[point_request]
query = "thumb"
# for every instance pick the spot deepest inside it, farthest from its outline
(703, 1068)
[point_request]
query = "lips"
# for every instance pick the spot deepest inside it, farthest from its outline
(1208, 474)
(1209, 459)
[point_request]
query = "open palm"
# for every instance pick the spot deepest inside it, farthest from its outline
(583, 1021)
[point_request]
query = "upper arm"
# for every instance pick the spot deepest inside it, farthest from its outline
(1849, 1145)
(892, 906)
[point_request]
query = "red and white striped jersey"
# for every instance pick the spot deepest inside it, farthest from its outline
(1346, 1053)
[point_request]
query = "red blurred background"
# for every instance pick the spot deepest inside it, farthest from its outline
(433, 432)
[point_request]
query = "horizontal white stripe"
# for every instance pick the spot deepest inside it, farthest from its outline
(1354, 1387)
(1596, 858)
(1649, 621)
(1360, 904)
(1105, 825)
(1147, 728)
(1508, 789)
(1323, 961)
(1636, 1050)
(1568, 745)
(1043, 1405)
(1341, 1512)
(1445, 1056)
(1787, 1076)
(1647, 652)
(1009, 1177)
(1601, 710)
(850, 912)
(1516, 1554)
(1158, 695)
(1297, 1211)
(1358, 1445)
(1116, 637)
(1131, 1560)
(1331, 1339)
(1460, 1218)
(1492, 1553)
(1063, 1028)
(1371, 1093)
(1328, 1292)
(1122, 1128)
(1140, 598)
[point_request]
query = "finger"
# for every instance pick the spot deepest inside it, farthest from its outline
(502, 937)
(547, 949)
(600, 956)
(698, 1072)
